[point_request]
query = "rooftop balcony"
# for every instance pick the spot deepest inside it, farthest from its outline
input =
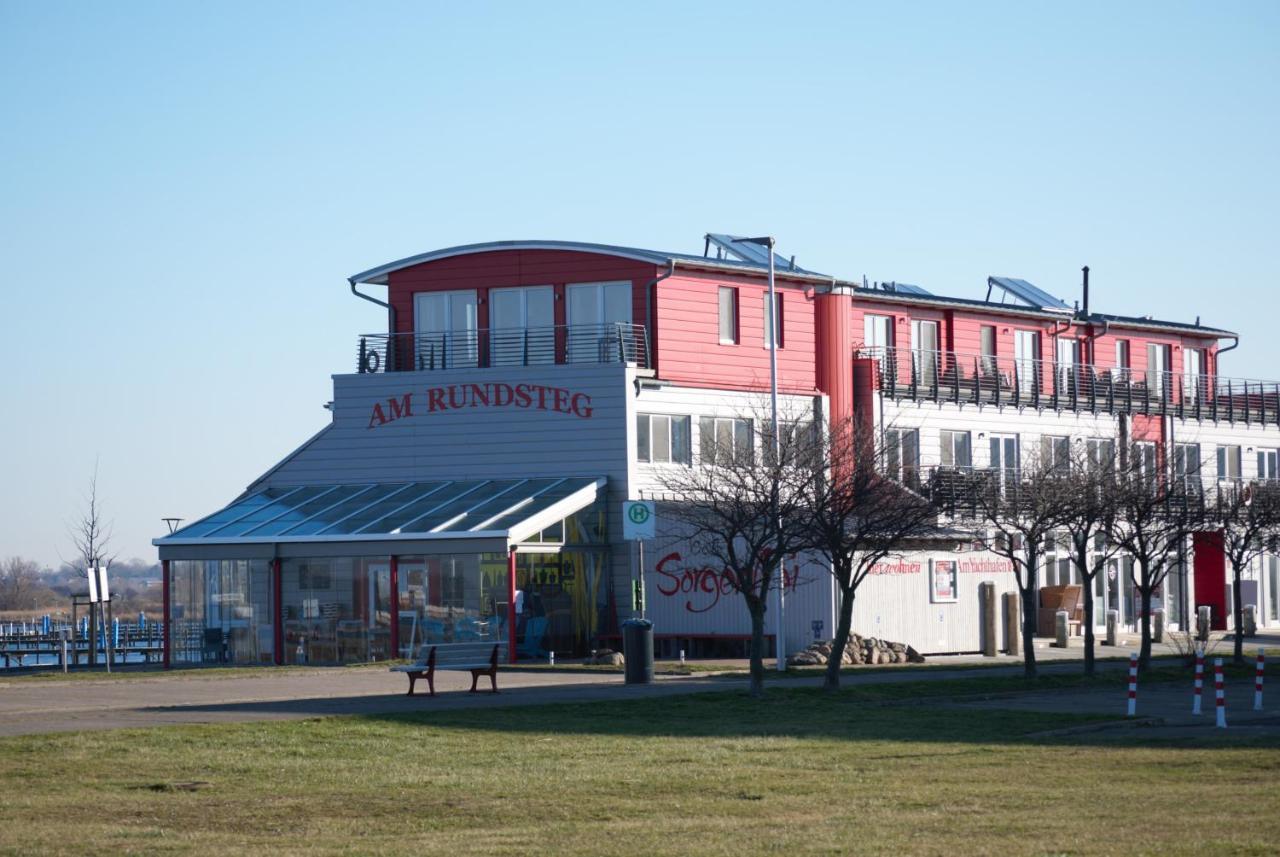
(950, 376)
(490, 347)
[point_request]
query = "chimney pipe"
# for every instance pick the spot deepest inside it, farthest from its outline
(1086, 290)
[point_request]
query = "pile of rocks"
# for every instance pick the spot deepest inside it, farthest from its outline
(606, 657)
(859, 650)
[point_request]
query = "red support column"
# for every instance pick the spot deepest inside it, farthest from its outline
(164, 630)
(277, 589)
(511, 606)
(395, 607)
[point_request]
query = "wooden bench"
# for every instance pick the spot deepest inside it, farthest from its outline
(464, 657)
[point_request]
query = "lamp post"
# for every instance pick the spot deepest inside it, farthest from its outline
(767, 242)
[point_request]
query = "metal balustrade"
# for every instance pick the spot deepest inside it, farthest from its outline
(493, 347)
(951, 376)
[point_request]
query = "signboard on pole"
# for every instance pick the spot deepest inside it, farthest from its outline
(638, 520)
(98, 589)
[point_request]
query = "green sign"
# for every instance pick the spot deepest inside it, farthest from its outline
(638, 519)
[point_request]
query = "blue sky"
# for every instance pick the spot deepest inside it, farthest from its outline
(184, 187)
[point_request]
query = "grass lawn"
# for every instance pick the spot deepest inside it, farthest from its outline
(799, 773)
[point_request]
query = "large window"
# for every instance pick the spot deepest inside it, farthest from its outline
(451, 598)
(522, 326)
(728, 301)
(1102, 454)
(1055, 453)
(902, 455)
(1123, 364)
(662, 439)
(222, 611)
(924, 351)
(725, 440)
(336, 610)
(987, 338)
(956, 449)
(447, 330)
(1229, 462)
(1146, 459)
(1186, 464)
(769, 325)
(1157, 367)
(596, 310)
(1267, 464)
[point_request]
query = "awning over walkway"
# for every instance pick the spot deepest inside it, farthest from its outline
(483, 515)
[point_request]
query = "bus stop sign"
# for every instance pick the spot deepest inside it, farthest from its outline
(638, 519)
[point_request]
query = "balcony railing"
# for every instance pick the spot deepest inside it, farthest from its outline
(950, 376)
(490, 347)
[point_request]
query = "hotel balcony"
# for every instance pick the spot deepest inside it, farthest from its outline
(613, 342)
(949, 376)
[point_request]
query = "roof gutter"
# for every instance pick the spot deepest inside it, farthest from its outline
(391, 314)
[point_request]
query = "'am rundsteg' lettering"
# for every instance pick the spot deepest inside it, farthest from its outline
(492, 394)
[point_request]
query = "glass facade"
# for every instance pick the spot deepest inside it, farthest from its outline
(222, 612)
(336, 610)
(451, 598)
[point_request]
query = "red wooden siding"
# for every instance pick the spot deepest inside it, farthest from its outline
(688, 335)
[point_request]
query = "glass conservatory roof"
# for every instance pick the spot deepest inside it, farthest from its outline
(483, 508)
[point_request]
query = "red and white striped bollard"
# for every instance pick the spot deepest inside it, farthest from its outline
(1195, 700)
(1220, 692)
(1133, 683)
(1257, 680)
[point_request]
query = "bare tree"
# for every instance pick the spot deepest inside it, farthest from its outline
(1015, 512)
(1249, 516)
(742, 509)
(90, 534)
(854, 516)
(1091, 508)
(19, 584)
(1154, 517)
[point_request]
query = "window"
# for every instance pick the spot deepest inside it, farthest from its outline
(728, 297)
(1145, 459)
(726, 440)
(1229, 462)
(522, 326)
(1267, 462)
(1121, 372)
(597, 316)
(987, 336)
(902, 455)
(956, 449)
(1192, 373)
(1102, 454)
(1055, 454)
(877, 332)
(924, 351)
(446, 330)
(662, 439)
(1186, 464)
(1004, 456)
(1026, 355)
(1157, 367)
(768, 320)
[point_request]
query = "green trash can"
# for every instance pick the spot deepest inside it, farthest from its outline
(637, 648)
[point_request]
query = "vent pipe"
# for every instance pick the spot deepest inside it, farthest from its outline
(1085, 269)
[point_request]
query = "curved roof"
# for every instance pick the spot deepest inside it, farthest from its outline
(378, 276)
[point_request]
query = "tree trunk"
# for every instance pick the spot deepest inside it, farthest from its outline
(756, 608)
(1237, 614)
(1088, 626)
(1029, 632)
(831, 683)
(1144, 653)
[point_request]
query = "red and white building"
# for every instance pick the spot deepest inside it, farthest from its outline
(469, 484)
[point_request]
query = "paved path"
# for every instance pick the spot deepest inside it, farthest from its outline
(38, 706)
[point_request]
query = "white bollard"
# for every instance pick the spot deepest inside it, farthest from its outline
(551, 657)
(1195, 700)
(1133, 683)
(682, 657)
(1257, 680)
(1221, 693)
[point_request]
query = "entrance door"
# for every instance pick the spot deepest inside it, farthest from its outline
(1211, 577)
(599, 317)
(1157, 369)
(1026, 356)
(447, 336)
(522, 326)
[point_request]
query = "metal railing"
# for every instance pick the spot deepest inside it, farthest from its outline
(951, 376)
(613, 342)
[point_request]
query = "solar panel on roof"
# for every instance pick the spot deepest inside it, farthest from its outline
(905, 289)
(1027, 293)
(745, 251)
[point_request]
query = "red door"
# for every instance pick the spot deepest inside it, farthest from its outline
(1211, 576)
